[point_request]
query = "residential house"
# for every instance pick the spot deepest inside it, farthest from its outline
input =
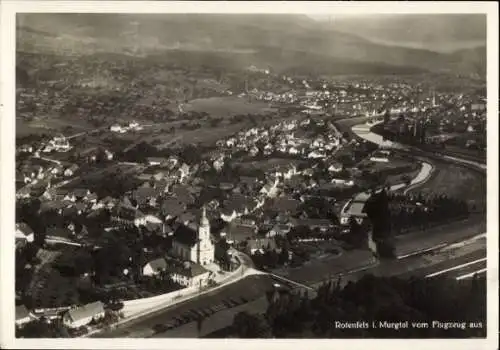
(250, 182)
(157, 161)
(92, 198)
(279, 230)
(58, 144)
(24, 233)
(80, 208)
(379, 159)
(81, 194)
(146, 196)
(316, 155)
(183, 193)
(23, 316)
(190, 275)
(118, 128)
(26, 148)
(342, 182)
(172, 162)
(54, 193)
(321, 224)
(23, 193)
(236, 233)
(218, 164)
(126, 215)
(108, 202)
(133, 125)
(286, 171)
(270, 189)
(152, 219)
(260, 244)
(55, 170)
(248, 220)
(70, 171)
(183, 172)
(154, 267)
(293, 150)
(187, 218)
(108, 154)
(335, 167)
(318, 142)
(83, 315)
(285, 204)
(228, 214)
(253, 151)
(55, 206)
(167, 230)
(308, 172)
(172, 207)
(239, 205)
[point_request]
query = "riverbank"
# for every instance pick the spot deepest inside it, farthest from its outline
(440, 236)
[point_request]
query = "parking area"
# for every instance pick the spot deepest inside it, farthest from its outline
(197, 315)
(235, 295)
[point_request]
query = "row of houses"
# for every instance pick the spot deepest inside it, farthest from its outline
(74, 317)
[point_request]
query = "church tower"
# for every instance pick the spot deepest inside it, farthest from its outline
(205, 247)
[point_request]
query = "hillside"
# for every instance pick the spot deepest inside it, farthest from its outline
(279, 41)
(437, 32)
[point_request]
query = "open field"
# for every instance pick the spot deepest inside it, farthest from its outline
(92, 179)
(456, 181)
(24, 129)
(227, 106)
(51, 126)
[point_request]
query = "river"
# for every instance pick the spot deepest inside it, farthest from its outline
(363, 131)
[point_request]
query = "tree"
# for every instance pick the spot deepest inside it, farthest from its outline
(248, 325)
(42, 329)
(377, 210)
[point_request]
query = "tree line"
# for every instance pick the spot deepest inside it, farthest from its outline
(370, 299)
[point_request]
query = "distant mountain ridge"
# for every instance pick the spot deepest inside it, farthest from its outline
(450, 31)
(273, 40)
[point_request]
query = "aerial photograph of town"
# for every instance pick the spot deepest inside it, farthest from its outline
(250, 175)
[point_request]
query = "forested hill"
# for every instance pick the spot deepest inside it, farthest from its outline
(264, 40)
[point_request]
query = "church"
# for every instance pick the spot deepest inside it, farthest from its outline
(193, 242)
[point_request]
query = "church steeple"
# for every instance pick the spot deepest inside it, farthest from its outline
(205, 248)
(204, 220)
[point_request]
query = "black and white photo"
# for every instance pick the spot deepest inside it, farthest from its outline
(251, 174)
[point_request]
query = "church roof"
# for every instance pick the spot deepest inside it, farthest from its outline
(186, 235)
